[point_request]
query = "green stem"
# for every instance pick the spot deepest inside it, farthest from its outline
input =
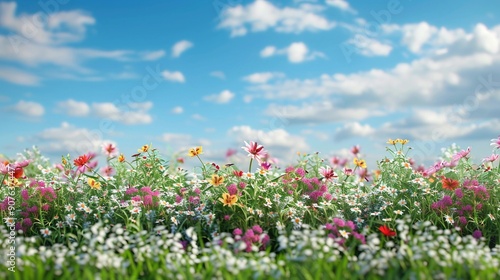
(202, 166)
(250, 166)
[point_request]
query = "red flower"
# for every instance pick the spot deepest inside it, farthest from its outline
(449, 184)
(18, 173)
(387, 231)
(81, 160)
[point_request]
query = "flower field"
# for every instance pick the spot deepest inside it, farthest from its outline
(141, 217)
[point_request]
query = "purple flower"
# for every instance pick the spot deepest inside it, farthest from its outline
(131, 191)
(257, 229)
(459, 193)
(25, 195)
(237, 231)
(232, 189)
(148, 200)
(300, 171)
(339, 222)
(477, 234)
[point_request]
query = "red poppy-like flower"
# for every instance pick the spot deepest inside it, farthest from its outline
(81, 160)
(449, 184)
(18, 173)
(387, 231)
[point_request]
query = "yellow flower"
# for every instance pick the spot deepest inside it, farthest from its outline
(94, 184)
(195, 151)
(12, 182)
(216, 180)
(64, 161)
(143, 149)
(392, 142)
(228, 200)
(404, 141)
(360, 162)
(121, 158)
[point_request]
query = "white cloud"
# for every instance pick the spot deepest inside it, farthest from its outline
(16, 76)
(173, 76)
(74, 108)
(342, 5)
(352, 130)
(198, 117)
(153, 55)
(68, 138)
(297, 52)
(262, 15)
(218, 74)
(278, 142)
(52, 29)
(181, 47)
(268, 51)
(132, 113)
(431, 80)
(422, 38)
(369, 47)
(313, 113)
(221, 98)
(29, 108)
(263, 77)
(175, 137)
(416, 35)
(48, 40)
(177, 110)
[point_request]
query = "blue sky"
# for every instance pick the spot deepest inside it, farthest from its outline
(295, 76)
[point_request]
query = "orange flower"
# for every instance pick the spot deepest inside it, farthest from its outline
(216, 180)
(449, 184)
(121, 158)
(195, 151)
(228, 200)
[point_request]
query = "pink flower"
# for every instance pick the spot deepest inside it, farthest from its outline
(355, 150)
(347, 171)
(108, 171)
(255, 151)
(461, 154)
(327, 173)
(110, 149)
(230, 152)
(491, 158)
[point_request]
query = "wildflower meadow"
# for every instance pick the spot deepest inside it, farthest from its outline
(143, 217)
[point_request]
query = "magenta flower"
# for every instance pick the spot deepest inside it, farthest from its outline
(255, 151)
